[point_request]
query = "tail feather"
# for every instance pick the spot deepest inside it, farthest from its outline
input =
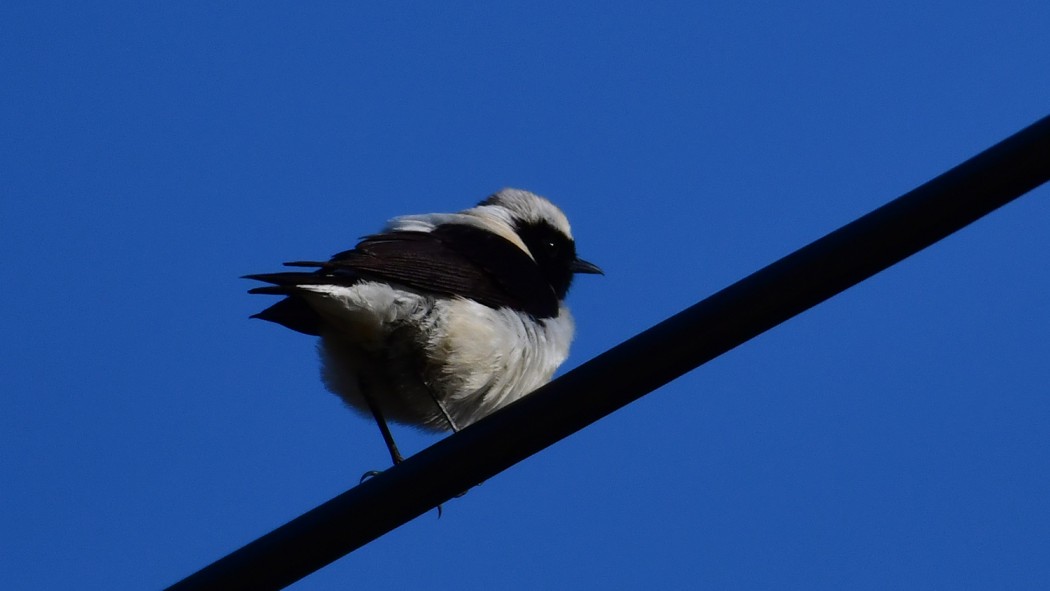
(293, 278)
(294, 313)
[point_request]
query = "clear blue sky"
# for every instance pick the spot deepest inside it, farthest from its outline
(897, 436)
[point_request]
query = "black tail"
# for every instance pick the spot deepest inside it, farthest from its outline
(294, 313)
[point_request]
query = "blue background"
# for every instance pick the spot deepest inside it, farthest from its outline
(894, 437)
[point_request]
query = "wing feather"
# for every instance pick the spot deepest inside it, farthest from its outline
(451, 260)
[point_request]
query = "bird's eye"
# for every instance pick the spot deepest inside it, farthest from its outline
(546, 244)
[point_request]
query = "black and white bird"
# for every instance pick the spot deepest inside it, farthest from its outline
(441, 318)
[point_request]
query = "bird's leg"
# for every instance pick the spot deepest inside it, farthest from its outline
(444, 411)
(391, 446)
(451, 424)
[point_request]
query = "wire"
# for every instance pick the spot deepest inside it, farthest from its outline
(638, 366)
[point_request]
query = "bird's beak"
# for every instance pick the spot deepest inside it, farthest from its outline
(582, 266)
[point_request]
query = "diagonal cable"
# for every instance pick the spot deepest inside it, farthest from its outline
(638, 366)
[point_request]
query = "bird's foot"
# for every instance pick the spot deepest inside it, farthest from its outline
(369, 474)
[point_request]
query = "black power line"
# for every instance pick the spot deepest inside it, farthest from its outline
(634, 368)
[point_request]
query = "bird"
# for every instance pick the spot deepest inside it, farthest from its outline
(439, 319)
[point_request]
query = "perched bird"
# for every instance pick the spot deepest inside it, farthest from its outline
(441, 318)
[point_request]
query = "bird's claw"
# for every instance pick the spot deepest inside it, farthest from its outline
(369, 474)
(373, 473)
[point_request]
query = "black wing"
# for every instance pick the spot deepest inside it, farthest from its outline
(452, 260)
